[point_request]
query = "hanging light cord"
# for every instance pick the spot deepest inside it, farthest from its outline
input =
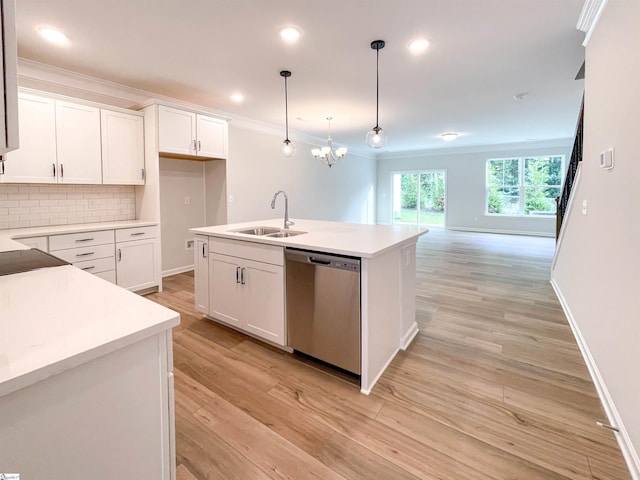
(286, 109)
(377, 85)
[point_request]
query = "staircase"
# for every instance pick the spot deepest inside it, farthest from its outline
(562, 201)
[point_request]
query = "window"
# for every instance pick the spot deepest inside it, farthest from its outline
(524, 186)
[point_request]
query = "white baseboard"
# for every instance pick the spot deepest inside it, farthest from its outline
(369, 387)
(408, 337)
(613, 417)
(175, 271)
(507, 232)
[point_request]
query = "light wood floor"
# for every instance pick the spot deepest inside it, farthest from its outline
(493, 386)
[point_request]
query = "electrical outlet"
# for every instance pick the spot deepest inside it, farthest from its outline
(188, 244)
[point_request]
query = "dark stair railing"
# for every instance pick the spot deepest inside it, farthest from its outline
(562, 201)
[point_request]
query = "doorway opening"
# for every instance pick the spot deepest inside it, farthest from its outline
(419, 198)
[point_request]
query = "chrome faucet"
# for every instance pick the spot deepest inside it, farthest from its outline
(287, 222)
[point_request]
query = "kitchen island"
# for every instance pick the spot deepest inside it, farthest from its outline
(86, 378)
(387, 280)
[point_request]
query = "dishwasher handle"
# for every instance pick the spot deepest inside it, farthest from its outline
(318, 261)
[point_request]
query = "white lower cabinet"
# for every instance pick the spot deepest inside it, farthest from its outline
(201, 273)
(110, 417)
(245, 292)
(136, 266)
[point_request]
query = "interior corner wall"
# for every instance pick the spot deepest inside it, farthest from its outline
(257, 170)
(465, 186)
(597, 270)
(182, 206)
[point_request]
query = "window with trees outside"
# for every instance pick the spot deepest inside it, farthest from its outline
(524, 186)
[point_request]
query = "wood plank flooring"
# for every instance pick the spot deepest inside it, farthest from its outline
(493, 386)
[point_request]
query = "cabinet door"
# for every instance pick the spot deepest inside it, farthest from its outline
(212, 137)
(35, 160)
(176, 131)
(136, 266)
(263, 300)
(201, 273)
(225, 294)
(122, 148)
(78, 143)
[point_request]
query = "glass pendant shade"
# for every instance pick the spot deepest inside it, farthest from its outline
(288, 148)
(376, 137)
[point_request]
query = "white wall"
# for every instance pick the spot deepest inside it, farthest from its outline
(597, 271)
(180, 179)
(256, 170)
(465, 187)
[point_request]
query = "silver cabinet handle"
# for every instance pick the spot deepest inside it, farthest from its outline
(242, 275)
(199, 145)
(2, 163)
(137, 233)
(85, 254)
(142, 174)
(237, 274)
(204, 250)
(61, 170)
(54, 169)
(195, 146)
(89, 268)
(119, 254)
(84, 240)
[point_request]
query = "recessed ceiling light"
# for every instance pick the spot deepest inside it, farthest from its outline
(54, 36)
(418, 45)
(237, 97)
(290, 34)
(447, 137)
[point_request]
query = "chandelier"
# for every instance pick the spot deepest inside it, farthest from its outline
(328, 155)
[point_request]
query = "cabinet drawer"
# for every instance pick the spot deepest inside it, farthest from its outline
(98, 265)
(81, 254)
(72, 240)
(35, 242)
(137, 233)
(248, 250)
(109, 276)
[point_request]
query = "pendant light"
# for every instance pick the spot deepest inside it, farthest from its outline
(288, 148)
(328, 155)
(376, 138)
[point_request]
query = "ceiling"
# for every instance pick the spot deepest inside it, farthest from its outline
(481, 54)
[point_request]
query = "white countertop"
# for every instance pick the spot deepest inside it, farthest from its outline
(8, 245)
(358, 240)
(54, 319)
(75, 228)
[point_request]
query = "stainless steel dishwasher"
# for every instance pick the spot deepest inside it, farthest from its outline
(323, 307)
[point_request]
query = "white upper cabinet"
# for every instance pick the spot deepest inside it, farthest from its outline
(187, 133)
(78, 143)
(122, 148)
(35, 161)
(177, 131)
(212, 137)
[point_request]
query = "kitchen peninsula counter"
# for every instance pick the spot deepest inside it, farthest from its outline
(357, 240)
(387, 278)
(86, 377)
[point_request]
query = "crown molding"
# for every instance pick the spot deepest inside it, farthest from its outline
(589, 16)
(500, 147)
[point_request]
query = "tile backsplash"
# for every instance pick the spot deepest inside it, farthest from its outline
(36, 205)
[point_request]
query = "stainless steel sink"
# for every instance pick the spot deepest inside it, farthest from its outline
(285, 234)
(258, 230)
